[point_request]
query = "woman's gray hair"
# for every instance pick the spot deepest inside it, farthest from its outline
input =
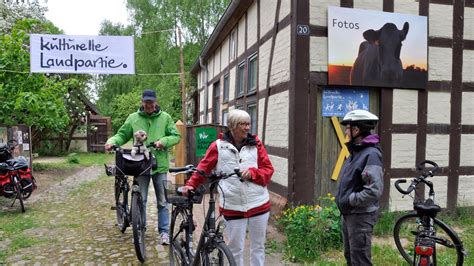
(237, 116)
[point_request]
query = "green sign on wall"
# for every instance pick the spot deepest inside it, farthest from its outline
(204, 138)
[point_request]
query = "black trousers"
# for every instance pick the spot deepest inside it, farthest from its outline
(357, 235)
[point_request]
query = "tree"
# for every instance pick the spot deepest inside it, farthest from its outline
(157, 51)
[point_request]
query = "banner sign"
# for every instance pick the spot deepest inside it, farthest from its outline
(204, 138)
(337, 102)
(82, 54)
(374, 48)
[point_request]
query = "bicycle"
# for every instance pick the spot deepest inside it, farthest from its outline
(211, 248)
(420, 237)
(127, 165)
(16, 180)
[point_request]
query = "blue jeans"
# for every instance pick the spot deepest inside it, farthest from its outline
(163, 211)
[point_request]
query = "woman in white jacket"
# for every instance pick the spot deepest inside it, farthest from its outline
(247, 204)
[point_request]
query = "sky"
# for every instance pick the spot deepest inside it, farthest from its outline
(344, 42)
(83, 17)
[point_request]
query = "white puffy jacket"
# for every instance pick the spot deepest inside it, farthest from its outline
(234, 194)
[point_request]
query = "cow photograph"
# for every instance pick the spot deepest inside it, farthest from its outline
(378, 49)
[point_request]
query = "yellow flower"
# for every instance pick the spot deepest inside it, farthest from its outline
(329, 194)
(333, 198)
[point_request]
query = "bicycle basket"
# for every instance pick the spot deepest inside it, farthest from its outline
(171, 195)
(137, 165)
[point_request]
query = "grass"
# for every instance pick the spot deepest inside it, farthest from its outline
(75, 160)
(384, 251)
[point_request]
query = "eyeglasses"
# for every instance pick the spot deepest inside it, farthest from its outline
(244, 124)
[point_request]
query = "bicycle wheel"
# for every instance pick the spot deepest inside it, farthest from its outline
(178, 230)
(19, 195)
(138, 226)
(217, 253)
(448, 246)
(121, 201)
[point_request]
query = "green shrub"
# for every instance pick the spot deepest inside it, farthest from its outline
(72, 158)
(311, 230)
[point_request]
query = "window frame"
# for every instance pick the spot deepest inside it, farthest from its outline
(216, 90)
(253, 120)
(240, 86)
(225, 91)
(253, 58)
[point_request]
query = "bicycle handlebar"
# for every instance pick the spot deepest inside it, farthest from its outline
(426, 173)
(192, 169)
(401, 190)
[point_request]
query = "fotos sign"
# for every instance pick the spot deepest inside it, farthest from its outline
(82, 54)
(373, 48)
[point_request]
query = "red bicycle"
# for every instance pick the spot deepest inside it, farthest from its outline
(16, 181)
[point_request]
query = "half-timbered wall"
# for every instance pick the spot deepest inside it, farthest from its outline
(256, 34)
(436, 123)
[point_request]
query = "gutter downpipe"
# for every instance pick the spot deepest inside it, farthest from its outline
(206, 90)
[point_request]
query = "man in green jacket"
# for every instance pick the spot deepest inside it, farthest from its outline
(161, 130)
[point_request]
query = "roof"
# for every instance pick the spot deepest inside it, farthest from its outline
(229, 19)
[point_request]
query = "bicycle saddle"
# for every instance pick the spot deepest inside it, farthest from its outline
(427, 208)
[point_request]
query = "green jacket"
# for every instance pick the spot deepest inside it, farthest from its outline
(158, 126)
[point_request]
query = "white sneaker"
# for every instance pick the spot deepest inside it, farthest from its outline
(164, 239)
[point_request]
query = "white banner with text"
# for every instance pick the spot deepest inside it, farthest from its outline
(82, 54)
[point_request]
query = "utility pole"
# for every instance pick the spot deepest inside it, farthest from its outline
(181, 152)
(183, 83)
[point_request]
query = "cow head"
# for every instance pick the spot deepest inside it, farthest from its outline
(389, 41)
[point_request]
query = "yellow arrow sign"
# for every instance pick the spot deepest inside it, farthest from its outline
(344, 153)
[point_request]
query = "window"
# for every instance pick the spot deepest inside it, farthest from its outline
(216, 104)
(252, 75)
(239, 107)
(240, 79)
(224, 117)
(226, 88)
(232, 45)
(252, 110)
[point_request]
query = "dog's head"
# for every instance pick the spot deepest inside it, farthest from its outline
(140, 137)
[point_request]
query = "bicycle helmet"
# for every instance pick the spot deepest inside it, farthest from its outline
(363, 119)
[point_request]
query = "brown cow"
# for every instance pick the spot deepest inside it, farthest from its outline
(378, 62)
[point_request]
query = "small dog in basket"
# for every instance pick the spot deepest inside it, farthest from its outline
(139, 146)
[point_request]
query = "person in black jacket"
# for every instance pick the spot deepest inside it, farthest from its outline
(360, 186)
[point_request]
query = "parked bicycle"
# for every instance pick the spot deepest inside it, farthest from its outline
(134, 165)
(211, 249)
(16, 181)
(421, 238)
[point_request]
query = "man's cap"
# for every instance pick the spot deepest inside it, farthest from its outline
(149, 95)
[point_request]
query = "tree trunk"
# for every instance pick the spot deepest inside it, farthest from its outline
(71, 134)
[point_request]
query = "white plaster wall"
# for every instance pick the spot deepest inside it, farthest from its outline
(396, 200)
(281, 57)
(440, 20)
(369, 4)
(318, 11)
(437, 149)
(263, 61)
(225, 54)
(440, 63)
(403, 150)
(285, 9)
(468, 22)
(252, 25)
(201, 101)
(439, 107)
(405, 106)
(277, 120)
(318, 57)
(467, 65)
(241, 37)
(209, 99)
(280, 174)
(232, 80)
(217, 62)
(467, 111)
(261, 108)
(467, 150)
(210, 69)
(440, 184)
(267, 15)
(466, 190)
(406, 6)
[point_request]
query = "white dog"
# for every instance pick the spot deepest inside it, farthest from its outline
(139, 146)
